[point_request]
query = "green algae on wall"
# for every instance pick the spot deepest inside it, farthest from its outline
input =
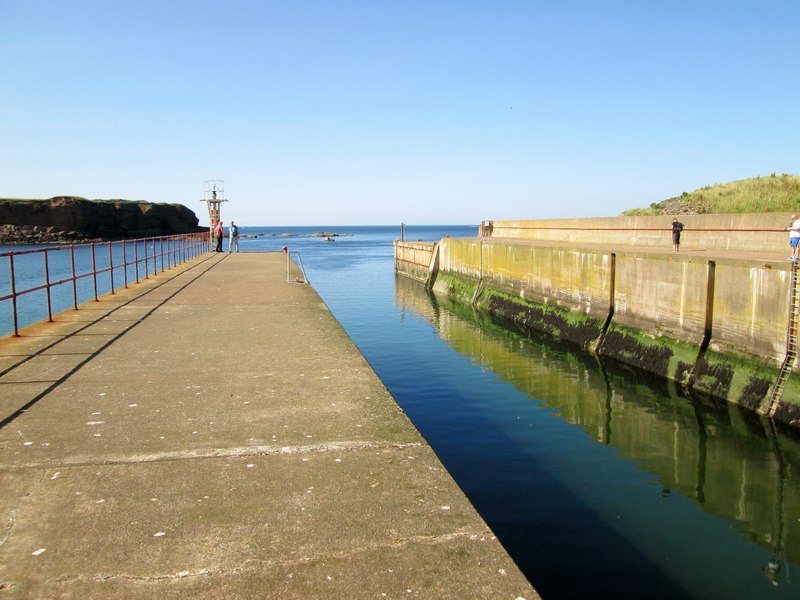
(788, 410)
(660, 355)
(458, 287)
(555, 321)
(747, 381)
(741, 379)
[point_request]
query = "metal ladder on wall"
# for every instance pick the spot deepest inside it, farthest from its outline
(791, 343)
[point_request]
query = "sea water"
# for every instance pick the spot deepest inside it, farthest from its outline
(600, 482)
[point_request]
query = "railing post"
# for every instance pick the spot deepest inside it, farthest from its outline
(74, 278)
(136, 258)
(125, 264)
(111, 264)
(155, 258)
(13, 294)
(47, 286)
(146, 259)
(94, 272)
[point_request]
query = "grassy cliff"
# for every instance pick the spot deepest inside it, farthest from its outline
(775, 193)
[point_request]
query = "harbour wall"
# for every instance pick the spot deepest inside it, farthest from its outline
(717, 325)
(755, 232)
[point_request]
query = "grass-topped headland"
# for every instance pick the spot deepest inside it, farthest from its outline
(774, 193)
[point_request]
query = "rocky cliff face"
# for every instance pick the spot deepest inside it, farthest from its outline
(68, 219)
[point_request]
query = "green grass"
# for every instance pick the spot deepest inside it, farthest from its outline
(775, 193)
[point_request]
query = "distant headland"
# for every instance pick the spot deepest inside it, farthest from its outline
(70, 219)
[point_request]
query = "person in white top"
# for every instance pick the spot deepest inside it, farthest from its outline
(794, 237)
(233, 237)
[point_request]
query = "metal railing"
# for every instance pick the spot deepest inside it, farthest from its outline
(125, 260)
(299, 272)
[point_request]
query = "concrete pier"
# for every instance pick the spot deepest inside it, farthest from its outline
(213, 433)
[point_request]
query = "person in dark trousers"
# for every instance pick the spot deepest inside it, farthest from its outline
(677, 227)
(218, 235)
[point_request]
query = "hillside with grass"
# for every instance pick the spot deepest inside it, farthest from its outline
(774, 193)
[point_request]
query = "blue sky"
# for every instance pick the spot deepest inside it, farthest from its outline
(377, 112)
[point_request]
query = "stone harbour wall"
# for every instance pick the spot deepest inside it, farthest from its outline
(759, 232)
(716, 326)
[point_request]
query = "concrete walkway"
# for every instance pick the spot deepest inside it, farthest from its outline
(213, 433)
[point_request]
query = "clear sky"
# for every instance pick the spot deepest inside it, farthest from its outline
(380, 111)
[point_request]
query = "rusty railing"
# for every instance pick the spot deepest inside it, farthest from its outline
(78, 266)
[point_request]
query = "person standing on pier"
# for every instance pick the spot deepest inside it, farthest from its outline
(218, 237)
(794, 237)
(677, 227)
(233, 237)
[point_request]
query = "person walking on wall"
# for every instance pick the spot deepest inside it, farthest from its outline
(233, 237)
(794, 237)
(218, 236)
(677, 227)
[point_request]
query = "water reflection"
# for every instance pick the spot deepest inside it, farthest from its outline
(730, 464)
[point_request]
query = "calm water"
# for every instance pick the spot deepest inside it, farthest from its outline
(601, 483)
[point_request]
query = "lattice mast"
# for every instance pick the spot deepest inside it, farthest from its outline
(213, 196)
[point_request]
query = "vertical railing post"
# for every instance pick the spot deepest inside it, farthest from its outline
(13, 294)
(125, 264)
(146, 259)
(111, 264)
(136, 258)
(47, 286)
(155, 258)
(74, 278)
(94, 272)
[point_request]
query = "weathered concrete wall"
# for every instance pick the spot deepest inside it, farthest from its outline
(413, 259)
(749, 231)
(718, 326)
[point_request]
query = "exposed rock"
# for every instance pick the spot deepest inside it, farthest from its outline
(67, 219)
(683, 205)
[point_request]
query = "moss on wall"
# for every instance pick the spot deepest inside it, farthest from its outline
(552, 320)
(744, 380)
(459, 288)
